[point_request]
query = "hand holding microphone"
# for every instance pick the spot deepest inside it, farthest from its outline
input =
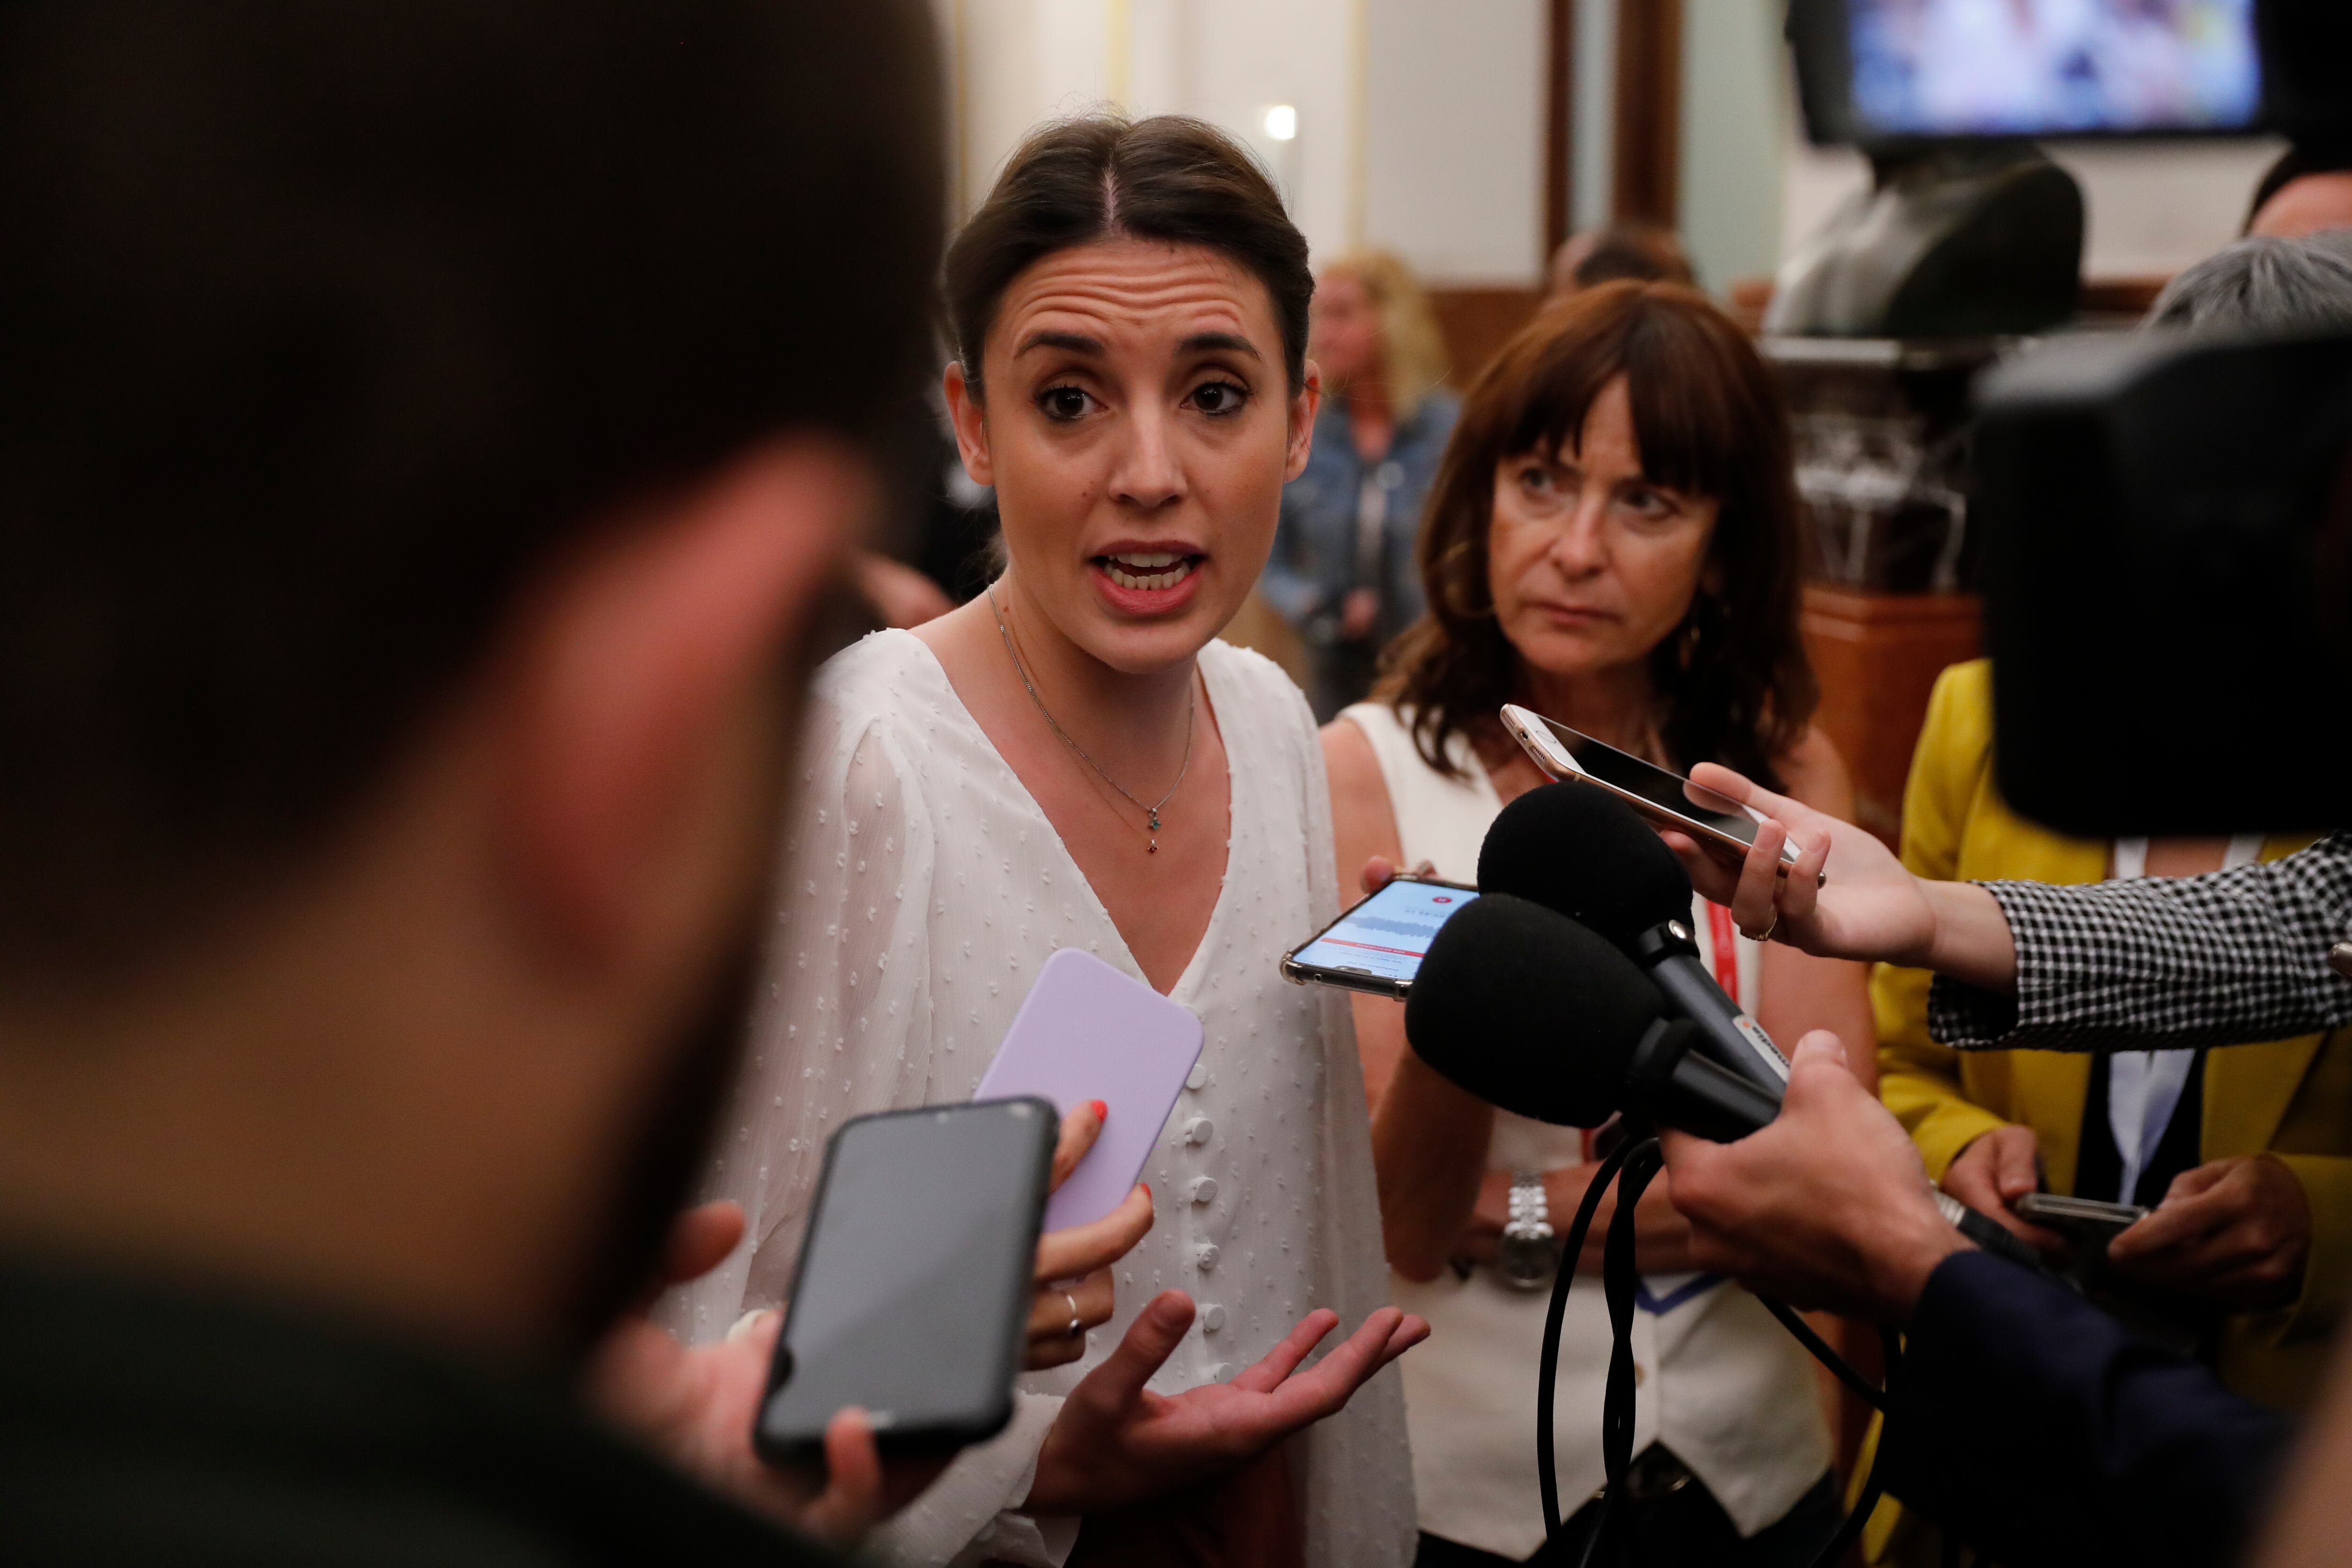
(1829, 1207)
(1529, 1010)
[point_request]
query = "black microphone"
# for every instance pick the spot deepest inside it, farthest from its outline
(1579, 850)
(1506, 984)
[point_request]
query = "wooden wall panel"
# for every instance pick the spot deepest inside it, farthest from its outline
(1877, 655)
(1477, 321)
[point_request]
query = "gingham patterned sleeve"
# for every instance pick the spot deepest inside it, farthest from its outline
(2193, 961)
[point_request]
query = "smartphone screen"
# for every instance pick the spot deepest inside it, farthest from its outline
(1671, 791)
(1387, 935)
(912, 1299)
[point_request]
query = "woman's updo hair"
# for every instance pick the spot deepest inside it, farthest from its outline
(1099, 177)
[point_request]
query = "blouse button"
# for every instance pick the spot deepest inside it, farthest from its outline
(1220, 1371)
(1213, 1318)
(1199, 1131)
(1204, 1189)
(1205, 1255)
(1197, 1076)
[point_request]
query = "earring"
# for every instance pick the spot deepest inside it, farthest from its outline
(1686, 647)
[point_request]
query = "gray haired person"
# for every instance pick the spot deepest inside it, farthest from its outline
(2264, 284)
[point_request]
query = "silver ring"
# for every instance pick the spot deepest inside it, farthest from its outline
(1076, 1327)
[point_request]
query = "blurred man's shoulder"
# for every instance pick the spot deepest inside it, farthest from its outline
(141, 1421)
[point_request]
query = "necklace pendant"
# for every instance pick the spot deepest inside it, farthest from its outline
(1155, 846)
(1155, 822)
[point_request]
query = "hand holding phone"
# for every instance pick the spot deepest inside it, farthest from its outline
(1089, 1032)
(1074, 1287)
(696, 1405)
(1377, 946)
(1664, 799)
(912, 1296)
(2087, 1224)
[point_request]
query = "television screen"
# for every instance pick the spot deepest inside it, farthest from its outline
(2051, 67)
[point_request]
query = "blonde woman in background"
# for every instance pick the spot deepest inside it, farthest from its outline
(1342, 574)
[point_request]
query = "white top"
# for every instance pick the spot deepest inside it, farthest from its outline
(2144, 1088)
(1717, 1378)
(924, 890)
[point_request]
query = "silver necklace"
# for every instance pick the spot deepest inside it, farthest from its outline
(1192, 704)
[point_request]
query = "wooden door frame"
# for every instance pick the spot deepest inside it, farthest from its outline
(1645, 175)
(1559, 119)
(1648, 117)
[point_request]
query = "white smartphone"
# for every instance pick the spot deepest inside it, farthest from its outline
(1087, 1031)
(1664, 799)
(1377, 945)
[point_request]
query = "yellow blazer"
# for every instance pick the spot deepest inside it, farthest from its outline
(2292, 1098)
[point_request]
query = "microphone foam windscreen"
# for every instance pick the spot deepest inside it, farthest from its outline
(1530, 1011)
(1578, 850)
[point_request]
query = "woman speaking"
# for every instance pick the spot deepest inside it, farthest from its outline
(1071, 760)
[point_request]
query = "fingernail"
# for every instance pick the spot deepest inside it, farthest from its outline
(1102, 1111)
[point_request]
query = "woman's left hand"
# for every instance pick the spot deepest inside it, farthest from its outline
(1660, 1235)
(1073, 1283)
(1115, 1442)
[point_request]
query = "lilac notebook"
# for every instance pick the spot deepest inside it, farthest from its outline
(1085, 1032)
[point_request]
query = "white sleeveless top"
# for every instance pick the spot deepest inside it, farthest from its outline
(1717, 1378)
(924, 890)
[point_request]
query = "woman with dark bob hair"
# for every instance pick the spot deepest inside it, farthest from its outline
(1611, 541)
(1073, 759)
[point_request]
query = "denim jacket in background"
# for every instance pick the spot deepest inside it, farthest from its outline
(1316, 556)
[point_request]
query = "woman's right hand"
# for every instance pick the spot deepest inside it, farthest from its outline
(1871, 909)
(1074, 1284)
(1115, 1442)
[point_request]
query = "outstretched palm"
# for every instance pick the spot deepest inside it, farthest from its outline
(1115, 1442)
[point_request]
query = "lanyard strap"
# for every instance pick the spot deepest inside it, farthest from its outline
(1723, 947)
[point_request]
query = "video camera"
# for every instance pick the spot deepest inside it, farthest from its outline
(2166, 521)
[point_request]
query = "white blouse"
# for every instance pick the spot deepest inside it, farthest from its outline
(924, 888)
(1715, 1378)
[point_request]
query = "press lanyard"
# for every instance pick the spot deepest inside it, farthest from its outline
(2144, 1088)
(1724, 948)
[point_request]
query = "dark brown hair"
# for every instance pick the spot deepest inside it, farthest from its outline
(1733, 683)
(369, 314)
(1099, 177)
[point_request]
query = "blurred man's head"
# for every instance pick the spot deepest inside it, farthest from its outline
(2306, 191)
(1644, 252)
(426, 432)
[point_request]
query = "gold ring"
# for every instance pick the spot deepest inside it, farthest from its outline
(1765, 934)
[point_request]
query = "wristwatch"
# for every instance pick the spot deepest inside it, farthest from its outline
(1529, 1254)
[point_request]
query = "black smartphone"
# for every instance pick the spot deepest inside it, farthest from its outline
(911, 1296)
(1377, 945)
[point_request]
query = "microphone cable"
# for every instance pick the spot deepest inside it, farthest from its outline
(1631, 1165)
